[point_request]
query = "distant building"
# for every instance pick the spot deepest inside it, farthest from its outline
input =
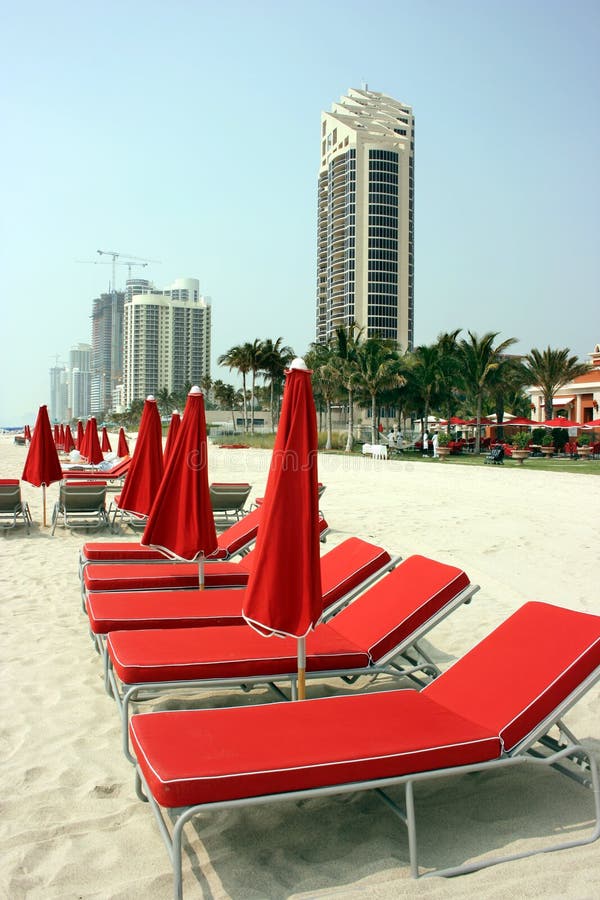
(365, 229)
(80, 381)
(107, 349)
(166, 338)
(57, 408)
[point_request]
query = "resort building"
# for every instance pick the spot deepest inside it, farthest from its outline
(365, 237)
(166, 339)
(107, 349)
(579, 400)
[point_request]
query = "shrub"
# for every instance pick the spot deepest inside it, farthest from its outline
(584, 440)
(547, 440)
(521, 440)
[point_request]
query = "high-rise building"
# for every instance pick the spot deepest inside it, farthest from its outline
(365, 250)
(107, 349)
(166, 339)
(57, 408)
(80, 381)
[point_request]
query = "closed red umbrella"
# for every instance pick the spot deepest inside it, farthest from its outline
(27, 433)
(105, 444)
(83, 448)
(181, 523)
(146, 470)
(172, 434)
(56, 435)
(284, 595)
(122, 448)
(80, 435)
(93, 450)
(69, 442)
(61, 436)
(42, 466)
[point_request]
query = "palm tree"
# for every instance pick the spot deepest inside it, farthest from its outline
(346, 343)
(254, 352)
(326, 379)
(164, 401)
(274, 359)
(238, 358)
(425, 379)
(378, 368)
(552, 369)
(448, 366)
(227, 397)
(479, 360)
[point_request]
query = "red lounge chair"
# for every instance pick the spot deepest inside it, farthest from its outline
(378, 633)
(148, 576)
(116, 473)
(484, 714)
(234, 541)
(345, 570)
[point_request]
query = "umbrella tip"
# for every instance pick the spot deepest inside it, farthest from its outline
(298, 363)
(150, 397)
(175, 412)
(195, 390)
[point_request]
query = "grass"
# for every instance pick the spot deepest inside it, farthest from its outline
(538, 464)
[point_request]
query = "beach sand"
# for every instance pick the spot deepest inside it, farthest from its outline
(71, 824)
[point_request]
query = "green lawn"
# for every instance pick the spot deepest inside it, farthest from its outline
(540, 464)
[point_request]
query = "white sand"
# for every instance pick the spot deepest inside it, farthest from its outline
(70, 822)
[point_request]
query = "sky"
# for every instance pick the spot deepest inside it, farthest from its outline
(188, 132)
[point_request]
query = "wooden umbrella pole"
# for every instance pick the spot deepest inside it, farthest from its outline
(302, 668)
(201, 573)
(44, 502)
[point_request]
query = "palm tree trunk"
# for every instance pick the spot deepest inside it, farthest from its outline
(233, 419)
(350, 438)
(245, 402)
(478, 416)
(252, 403)
(374, 433)
(328, 442)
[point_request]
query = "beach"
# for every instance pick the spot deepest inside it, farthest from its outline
(71, 824)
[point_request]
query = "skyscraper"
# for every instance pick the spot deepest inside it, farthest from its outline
(107, 349)
(167, 339)
(57, 408)
(365, 242)
(80, 359)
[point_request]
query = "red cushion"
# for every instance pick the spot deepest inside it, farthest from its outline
(9, 480)
(113, 550)
(239, 652)
(521, 672)
(348, 565)
(390, 611)
(191, 757)
(163, 609)
(124, 577)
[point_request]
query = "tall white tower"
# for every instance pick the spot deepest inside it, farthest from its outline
(365, 251)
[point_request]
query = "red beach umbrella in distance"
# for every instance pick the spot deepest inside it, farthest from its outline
(56, 434)
(42, 466)
(560, 423)
(61, 435)
(284, 595)
(93, 450)
(146, 469)
(84, 440)
(181, 523)
(122, 448)
(105, 443)
(69, 442)
(172, 434)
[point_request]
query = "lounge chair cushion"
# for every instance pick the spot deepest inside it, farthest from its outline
(163, 609)
(124, 577)
(338, 577)
(294, 746)
(406, 598)
(184, 654)
(551, 651)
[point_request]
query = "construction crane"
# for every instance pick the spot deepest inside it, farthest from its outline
(128, 256)
(100, 262)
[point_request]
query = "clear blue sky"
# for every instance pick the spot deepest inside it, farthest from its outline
(188, 132)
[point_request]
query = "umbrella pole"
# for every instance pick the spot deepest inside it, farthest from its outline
(44, 502)
(201, 573)
(301, 668)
